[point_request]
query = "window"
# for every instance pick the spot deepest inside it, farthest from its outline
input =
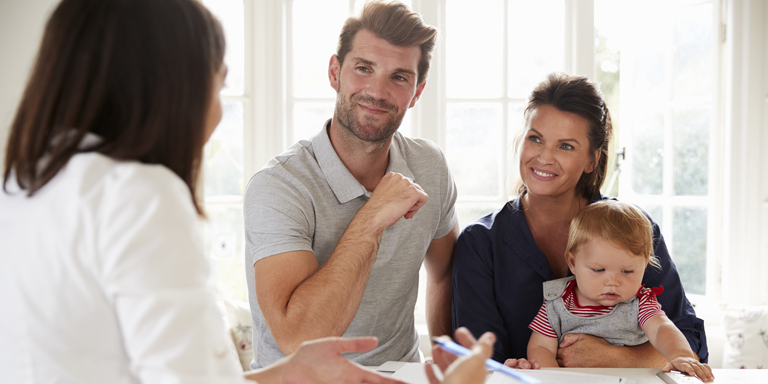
(657, 62)
(223, 160)
(668, 79)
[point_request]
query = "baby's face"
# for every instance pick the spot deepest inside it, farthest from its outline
(605, 274)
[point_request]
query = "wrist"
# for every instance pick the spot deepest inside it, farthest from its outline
(269, 375)
(368, 222)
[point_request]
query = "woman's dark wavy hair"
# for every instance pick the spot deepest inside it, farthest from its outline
(579, 95)
(137, 73)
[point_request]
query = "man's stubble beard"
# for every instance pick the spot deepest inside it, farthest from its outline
(365, 130)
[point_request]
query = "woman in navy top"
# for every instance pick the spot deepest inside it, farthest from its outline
(501, 260)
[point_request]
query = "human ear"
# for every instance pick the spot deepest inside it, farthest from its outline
(571, 260)
(334, 68)
(593, 164)
(417, 95)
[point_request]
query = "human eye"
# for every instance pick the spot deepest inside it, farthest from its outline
(362, 68)
(627, 271)
(534, 139)
(598, 270)
(567, 147)
(399, 78)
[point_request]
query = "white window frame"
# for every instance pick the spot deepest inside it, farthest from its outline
(738, 212)
(667, 200)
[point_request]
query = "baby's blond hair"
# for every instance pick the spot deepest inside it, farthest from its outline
(622, 224)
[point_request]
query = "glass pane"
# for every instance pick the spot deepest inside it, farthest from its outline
(655, 211)
(315, 31)
(308, 119)
(474, 40)
(473, 136)
(647, 155)
(230, 13)
(536, 42)
(516, 123)
(691, 151)
(511, 161)
(469, 213)
(693, 51)
(223, 156)
(224, 244)
(359, 4)
(406, 126)
(689, 250)
(648, 42)
(608, 31)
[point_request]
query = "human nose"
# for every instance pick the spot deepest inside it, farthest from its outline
(611, 280)
(546, 156)
(378, 87)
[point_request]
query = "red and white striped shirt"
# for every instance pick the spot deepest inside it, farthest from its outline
(649, 307)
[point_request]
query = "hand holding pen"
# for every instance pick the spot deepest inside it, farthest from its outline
(468, 369)
(474, 360)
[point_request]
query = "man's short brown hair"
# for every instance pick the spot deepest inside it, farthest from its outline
(395, 23)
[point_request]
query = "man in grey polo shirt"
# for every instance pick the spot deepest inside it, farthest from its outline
(337, 227)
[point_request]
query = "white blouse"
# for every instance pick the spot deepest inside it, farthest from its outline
(103, 279)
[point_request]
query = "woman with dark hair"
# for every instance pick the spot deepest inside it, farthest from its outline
(502, 260)
(103, 278)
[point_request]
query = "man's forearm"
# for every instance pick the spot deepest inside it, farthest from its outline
(588, 351)
(439, 306)
(326, 302)
(640, 356)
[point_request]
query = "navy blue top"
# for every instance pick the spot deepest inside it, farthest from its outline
(498, 272)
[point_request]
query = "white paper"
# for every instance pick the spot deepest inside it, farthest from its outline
(391, 366)
(414, 373)
(558, 377)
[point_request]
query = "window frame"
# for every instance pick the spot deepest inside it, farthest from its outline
(267, 31)
(667, 200)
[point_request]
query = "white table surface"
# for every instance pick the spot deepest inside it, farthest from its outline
(648, 375)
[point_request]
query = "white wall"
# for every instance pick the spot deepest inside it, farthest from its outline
(21, 28)
(745, 199)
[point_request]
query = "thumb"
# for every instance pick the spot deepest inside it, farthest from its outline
(569, 340)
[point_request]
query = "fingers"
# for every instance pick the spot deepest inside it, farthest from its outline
(422, 199)
(485, 344)
(703, 371)
(442, 358)
(519, 363)
(464, 337)
(396, 196)
(431, 374)
(568, 340)
(692, 368)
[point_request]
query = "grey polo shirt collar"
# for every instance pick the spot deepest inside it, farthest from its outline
(341, 181)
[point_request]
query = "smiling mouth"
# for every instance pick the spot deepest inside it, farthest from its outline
(542, 174)
(373, 110)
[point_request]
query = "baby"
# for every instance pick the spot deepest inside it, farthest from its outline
(609, 246)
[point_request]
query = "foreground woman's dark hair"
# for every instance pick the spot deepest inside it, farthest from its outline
(143, 87)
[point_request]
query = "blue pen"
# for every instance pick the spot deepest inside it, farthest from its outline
(493, 365)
